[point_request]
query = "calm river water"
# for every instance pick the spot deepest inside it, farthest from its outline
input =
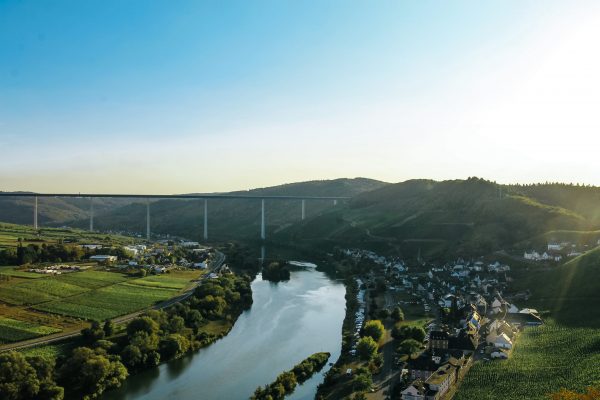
(287, 322)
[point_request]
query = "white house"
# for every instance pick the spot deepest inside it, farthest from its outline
(502, 341)
(103, 258)
(555, 246)
(496, 306)
(513, 309)
(499, 354)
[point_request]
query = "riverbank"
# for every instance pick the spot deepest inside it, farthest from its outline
(288, 321)
(108, 354)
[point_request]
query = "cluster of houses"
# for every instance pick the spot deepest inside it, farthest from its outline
(58, 269)
(474, 319)
(393, 263)
(473, 329)
(555, 252)
(360, 314)
(157, 258)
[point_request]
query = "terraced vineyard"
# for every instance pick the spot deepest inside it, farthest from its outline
(12, 330)
(545, 359)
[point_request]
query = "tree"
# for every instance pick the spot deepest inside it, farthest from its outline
(397, 314)
(409, 347)
(367, 348)
(93, 333)
(174, 346)
(384, 313)
(142, 324)
(374, 329)
(176, 324)
(88, 374)
(362, 382)
(18, 379)
(109, 328)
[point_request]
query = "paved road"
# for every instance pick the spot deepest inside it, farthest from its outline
(217, 263)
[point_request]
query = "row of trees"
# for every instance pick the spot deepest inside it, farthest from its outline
(39, 253)
(287, 381)
(106, 358)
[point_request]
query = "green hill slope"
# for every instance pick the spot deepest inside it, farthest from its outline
(462, 217)
(19, 210)
(231, 219)
(571, 292)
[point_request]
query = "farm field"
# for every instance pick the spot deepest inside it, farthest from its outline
(545, 359)
(10, 234)
(88, 295)
(108, 302)
(12, 330)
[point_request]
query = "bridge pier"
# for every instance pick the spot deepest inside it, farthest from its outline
(205, 219)
(303, 209)
(335, 202)
(91, 214)
(35, 213)
(262, 220)
(148, 219)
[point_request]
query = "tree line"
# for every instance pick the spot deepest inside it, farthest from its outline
(107, 358)
(287, 381)
(59, 252)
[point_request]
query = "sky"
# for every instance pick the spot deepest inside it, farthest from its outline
(200, 96)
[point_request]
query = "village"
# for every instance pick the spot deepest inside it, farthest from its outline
(465, 313)
(155, 258)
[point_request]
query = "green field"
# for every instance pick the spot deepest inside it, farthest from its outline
(10, 234)
(93, 295)
(12, 330)
(545, 359)
(108, 302)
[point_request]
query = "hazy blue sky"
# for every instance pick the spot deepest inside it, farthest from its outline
(188, 96)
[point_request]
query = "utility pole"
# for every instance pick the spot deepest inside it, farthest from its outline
(148, 219)
(91, 214)
(205, 219)
(35, 213)
(262, 220)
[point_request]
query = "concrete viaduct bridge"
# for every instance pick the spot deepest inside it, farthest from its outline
(205, 197)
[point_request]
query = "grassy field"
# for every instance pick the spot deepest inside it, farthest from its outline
(108, 302)
(12, 330)
(10, 234)
(90, 294)
(545, 359)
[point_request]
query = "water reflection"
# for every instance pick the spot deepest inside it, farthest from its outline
(287, 322)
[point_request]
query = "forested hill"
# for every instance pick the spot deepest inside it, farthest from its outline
(449, 218)
(19, 210)
(231, 219)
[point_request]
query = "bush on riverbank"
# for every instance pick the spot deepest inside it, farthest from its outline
(276, 271)
(287, 381)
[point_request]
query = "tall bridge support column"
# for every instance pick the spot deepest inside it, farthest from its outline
(91, 214)
(303, 209)
(148, 219)
(205, 219)
(35, 213)
(335, 202)
(262, 220)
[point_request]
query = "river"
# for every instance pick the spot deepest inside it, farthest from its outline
(288, 322)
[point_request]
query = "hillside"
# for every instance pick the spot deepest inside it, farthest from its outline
(571, 291)
(19, 210)
(230, 219)
(461, 217)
